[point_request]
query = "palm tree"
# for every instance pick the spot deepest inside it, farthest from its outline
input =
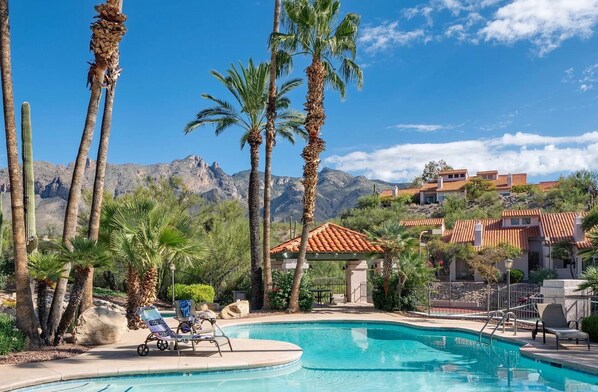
(311, 31)
(270, 140)
(26, 320)
(249, 87)
(112, 75)
(394, 239)
(82, 254)
(107, 30)
(45, 269)
(147, 236)
(591, 280)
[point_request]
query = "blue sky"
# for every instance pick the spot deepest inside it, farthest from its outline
(483, 84)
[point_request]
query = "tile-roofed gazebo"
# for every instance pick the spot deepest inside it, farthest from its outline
(330, 238)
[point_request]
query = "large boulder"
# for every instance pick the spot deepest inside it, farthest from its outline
(100, 325)
(237, 309)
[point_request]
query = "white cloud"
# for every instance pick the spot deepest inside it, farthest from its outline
(586, 80)
(546, 23)
(419, 127)
(388, 35)
(511, 153)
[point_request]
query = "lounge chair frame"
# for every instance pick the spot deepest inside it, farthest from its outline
(163, 335)
(560, 333)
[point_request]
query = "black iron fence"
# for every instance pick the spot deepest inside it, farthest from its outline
(476, 300)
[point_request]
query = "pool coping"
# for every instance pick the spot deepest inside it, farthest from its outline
(70, 368)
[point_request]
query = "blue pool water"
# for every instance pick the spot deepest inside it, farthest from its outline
(348, 356)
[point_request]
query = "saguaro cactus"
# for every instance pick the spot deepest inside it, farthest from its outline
(1, 226)
(28, 185)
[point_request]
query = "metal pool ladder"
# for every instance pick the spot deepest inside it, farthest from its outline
(504, 317)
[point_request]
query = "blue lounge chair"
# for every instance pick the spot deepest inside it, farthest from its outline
(190, 321)
(163, 335)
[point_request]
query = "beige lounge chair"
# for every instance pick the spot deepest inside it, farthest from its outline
(554, 321)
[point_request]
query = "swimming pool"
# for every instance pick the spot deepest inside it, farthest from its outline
(359, 356)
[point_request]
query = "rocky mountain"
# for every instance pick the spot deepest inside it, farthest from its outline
(337, 190)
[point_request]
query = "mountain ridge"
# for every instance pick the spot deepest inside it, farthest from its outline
(337, 190)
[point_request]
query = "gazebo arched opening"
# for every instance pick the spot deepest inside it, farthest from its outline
(333, 243)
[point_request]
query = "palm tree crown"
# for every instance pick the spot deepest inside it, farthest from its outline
(249, 87)
(311, 30)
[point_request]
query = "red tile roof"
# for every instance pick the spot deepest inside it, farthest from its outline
(501, 183)
(493, 233)
(436, 222)
(452, 171)
(487, 172)
(546, 185)
(387, 193)
(529, 212)
(330, 238)
(559, 226)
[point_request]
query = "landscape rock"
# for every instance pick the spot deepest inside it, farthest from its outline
(235, 310)
(100, 325)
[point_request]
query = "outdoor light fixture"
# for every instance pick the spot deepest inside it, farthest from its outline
(508, 266)
(285, 255)
(172, 271)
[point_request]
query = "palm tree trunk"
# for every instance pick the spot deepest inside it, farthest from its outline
(26, 320)
(149, 282)
(314, 120)
(42, 308)
(253, 201)
(72, 207)
(133, 288)
(270, 141)
(98, 185)
(68, 316)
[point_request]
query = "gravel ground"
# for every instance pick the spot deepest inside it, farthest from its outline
(48, 353)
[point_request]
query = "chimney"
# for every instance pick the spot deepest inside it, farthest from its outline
(509, 180)
(478, 239)
(440, 182)
(395, 191)
(578, 233)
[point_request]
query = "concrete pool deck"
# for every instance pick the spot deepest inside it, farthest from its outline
(122, 359)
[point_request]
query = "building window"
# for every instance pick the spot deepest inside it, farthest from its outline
(462, 175)
(514, 221)
(450, 176)
(526, 221)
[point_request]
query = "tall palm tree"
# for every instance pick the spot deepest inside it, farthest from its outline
(82, 254)
(270, 140)
(249, 87)
(311, 31)
(107, 30)
(394, 239)
(45, 269)
(26, 320)
(112, 75)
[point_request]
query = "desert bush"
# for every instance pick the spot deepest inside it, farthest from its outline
(11, 339)
(516, 275)
(282, 282)
(590, 326)
(197, 292)
(539, 275)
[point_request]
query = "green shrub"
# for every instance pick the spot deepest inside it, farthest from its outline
(590, 326)
(11, 339)
(282, 283)
(516, 275)
(539, 275)
(413, 294)
(197, 292)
